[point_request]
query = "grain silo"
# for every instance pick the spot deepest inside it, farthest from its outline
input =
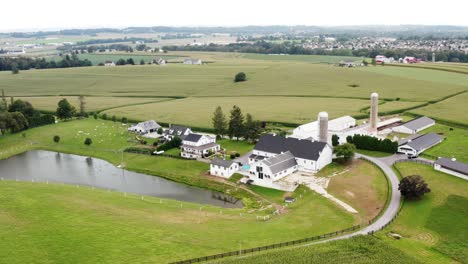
(374, 111)
(323, 127)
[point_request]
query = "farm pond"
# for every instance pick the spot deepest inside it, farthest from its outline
(47, 166)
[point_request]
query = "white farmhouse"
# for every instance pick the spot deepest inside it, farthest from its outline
(145, 127)
(193, 61)
(109, 63)
(414, 126)
(197, 145)
(416, 144)
(223, 168)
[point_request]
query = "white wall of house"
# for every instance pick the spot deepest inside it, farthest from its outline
(202, 141)
(224, 172)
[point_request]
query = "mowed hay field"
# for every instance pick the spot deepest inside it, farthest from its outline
(453, 109)
(434, 229)
(93, 103)
(198, 111)
(216, 79)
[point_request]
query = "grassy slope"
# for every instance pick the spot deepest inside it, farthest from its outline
(264, 78)
(282, 109)
(55, 223)
(433, 228)
(362, 250)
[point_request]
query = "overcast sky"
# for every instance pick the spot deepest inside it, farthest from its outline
(59, 14)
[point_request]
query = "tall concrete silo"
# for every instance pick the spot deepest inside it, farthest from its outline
(323, 126)
(374, 111)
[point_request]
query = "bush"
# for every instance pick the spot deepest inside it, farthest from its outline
(335, 140)
(104, 116)
(237, 154)
(56, 139)
(124, 120)
(240, 77)
(88, 141)
(155, 144)
(373, 143)
(174, 143)
(232, 156)
(95, 116)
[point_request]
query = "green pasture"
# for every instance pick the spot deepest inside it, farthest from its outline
(97, 58)
(434, 229)
(454, 145)
(302, 58)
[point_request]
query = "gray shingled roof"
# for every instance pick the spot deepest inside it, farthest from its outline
(193, 137)
(453, 165)
(419, 123)
(405, 140)
(222, 163)
(150, 124)
(304, 149)
(425, 141)
(175, 129)
(280, 162)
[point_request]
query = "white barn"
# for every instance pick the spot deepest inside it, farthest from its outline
(223, 168)
(193, 61)
(414, 126)
(196, 145)
(452, 166)
(415, 145)
(145, 127)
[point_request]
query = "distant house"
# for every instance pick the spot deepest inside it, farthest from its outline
(451, 166)
(348, 63)
(416, 144)
(16, 51)
(223, 168)
(159, 61)
(176, 131)
(109, 63)
(415, 125)
(197, 145)
(145, 127)
(193, 61)
(381, 59)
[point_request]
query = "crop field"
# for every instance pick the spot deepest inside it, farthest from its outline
(452, 109)
(303, 58)
(449, 67)
(93, 103)
(433, 228)
(359, 250)
(397, 105)
(198, 111)
(97, 58)
(216, 79)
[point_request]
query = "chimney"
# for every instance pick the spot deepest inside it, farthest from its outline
(374, 111)
(323, 127)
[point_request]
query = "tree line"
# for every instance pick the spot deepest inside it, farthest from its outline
(373, 143)
(19, 115)
(238, 126)
(26, 63)
(265, 47)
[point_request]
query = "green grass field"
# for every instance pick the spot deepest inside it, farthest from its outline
(97, 58)
(433, 228)
(454, 145)
(302, 58)
(56, 223)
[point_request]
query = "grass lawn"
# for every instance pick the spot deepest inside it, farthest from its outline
(359, 250)
(173, 151)
(453, 109)
(454, 144)
(361, 185)
(434, 229)
(240, 147)
(42, 223)
(274, 195)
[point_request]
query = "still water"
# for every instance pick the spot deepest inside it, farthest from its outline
(42, 166)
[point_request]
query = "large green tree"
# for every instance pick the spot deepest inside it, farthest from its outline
(65, 110)
(345, 152)
(23, 107)
(14, 122)
(252, 128)
(219, 122)
(413, 187)
(236, 123)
